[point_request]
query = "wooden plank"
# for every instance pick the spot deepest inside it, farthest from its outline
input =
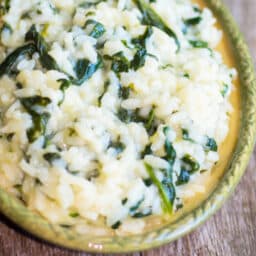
(232, 231)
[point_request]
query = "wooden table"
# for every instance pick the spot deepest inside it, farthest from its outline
(231, 232)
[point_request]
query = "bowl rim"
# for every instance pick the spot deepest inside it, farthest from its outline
(36, 225)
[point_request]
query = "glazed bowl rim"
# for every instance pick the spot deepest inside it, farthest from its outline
(36, 225)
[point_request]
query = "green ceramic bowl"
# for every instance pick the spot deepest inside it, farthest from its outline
(38, 226)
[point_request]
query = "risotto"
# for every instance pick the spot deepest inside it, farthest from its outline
(111, 110)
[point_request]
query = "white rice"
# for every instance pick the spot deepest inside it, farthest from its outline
(98, 175)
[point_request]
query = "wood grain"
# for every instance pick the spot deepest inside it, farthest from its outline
(231, 232)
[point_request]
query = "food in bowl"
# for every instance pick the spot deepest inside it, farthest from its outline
(111, 111)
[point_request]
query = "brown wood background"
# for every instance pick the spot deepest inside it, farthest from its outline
(230, 232)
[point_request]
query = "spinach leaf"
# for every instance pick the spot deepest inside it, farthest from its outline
(136, 117)
(183, 178)
(100, 45)
(40, 120)
(141, 53)
(170, 157)
(127, 45)
(74, 172)
(166, 130)
(190, 22)
(186, 75)
(224, 90)
(128, 116)
(39, 126)
(166, 66)
(198, 44)
(185, 135)
(197, 9)
(10, 62)
(135, 207)
(142, 214)
(9, 136)
(167, 173)
(193, 21)
(124, 92)
(64, 85)
(47, 139)
(106, 85)
(116, 225)
(124, 201)
(119, 62)
(98, 29)
(149, 123)
(84, 70)
(169, 190)
(19, 85)
(141, 40)
(54, 9)
(117, 145)
(90, 13)
(4, 6)
(147, 151)
(169, 149)
(139, 59)
(211, 145)
(74, 214)
(191, 163)
(88, 4)
(151, 18)
(166, 190)
(26, 15)
(31, 104)
(42, 47)
(51, 157)
(148, 182)
(7, 4)
(124, 115)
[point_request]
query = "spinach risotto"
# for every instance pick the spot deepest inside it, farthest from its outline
(111, 110)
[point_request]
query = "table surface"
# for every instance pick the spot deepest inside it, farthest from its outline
(230, 232)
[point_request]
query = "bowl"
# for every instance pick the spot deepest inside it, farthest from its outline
(36, 225)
